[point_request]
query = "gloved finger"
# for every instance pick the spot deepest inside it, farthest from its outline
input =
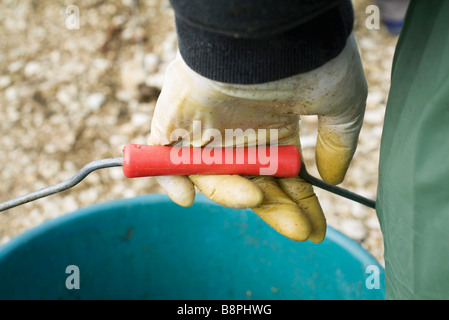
(301, 192)
(281, 212)
(232, 191)
(336, 144)
(179, 188)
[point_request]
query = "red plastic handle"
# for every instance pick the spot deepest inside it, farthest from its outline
(145, 161)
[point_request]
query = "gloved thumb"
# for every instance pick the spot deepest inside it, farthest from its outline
(336, 144)
(340, 121)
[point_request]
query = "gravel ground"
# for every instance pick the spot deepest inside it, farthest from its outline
(71, 96)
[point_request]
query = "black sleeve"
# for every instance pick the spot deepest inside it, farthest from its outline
(256, 41)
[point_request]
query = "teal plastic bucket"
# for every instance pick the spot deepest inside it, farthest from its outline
(150, 248)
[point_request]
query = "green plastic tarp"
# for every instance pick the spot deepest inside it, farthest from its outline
(413, 191)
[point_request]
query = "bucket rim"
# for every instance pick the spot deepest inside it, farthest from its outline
(333, 235)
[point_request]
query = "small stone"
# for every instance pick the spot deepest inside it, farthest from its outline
(50, 148)
(139, 119)
(124, 95)
(15, 66)
(118, 140)
(89, 196)
(55, 56)
(11, 94)
(101, 64)
(5, 81)
(69, 204)
(95, 101)
(373, 223)
(49, 168)
(353, 229)
(151, 62)
(367, 44)
(66, 94)
(131, 75)
(129, 193)
(374, 117)
(375, 97)
(116, 173)
(32, 69)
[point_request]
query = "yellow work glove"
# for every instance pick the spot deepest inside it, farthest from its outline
(335, 92)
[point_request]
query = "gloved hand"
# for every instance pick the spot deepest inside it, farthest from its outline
(335, 92)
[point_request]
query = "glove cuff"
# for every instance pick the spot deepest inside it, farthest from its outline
(253, 60)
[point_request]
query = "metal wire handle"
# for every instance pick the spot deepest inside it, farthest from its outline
(116, 162)
(334, 189)
(77, 178)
